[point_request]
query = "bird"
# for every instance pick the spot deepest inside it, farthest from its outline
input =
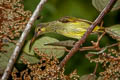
(71, 27)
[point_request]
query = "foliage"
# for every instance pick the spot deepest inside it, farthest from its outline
(4, 57)
(114, 31)
(39, 43)
(110, 63)
(14, 18)
(46, 68)
(100, 4)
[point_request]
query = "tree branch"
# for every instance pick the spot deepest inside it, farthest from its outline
(22, 39)
(89, 30)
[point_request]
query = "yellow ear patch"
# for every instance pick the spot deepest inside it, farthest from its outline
(43, 29)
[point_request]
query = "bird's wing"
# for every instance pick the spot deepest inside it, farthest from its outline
(73, 19)
(74, 29)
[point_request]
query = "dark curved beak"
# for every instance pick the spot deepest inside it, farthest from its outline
(33, 39)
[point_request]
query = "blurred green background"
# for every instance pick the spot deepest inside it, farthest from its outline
(55, 9)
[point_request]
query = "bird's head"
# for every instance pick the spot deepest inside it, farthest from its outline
(41, 28)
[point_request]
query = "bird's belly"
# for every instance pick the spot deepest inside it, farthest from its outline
(73, 35)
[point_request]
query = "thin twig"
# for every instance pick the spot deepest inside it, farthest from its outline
(89, 30)
(95, 70)
(112, 45)
(22, 39)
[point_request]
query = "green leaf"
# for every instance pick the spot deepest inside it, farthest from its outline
(114, 31)
(31, 59)
(100, 4)
(50, 50)
(4, 57)
(88, 77)
(100, 78)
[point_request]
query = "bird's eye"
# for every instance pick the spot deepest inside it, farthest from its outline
(39, 29)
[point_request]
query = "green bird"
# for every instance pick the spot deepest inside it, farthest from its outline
(67, 26)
